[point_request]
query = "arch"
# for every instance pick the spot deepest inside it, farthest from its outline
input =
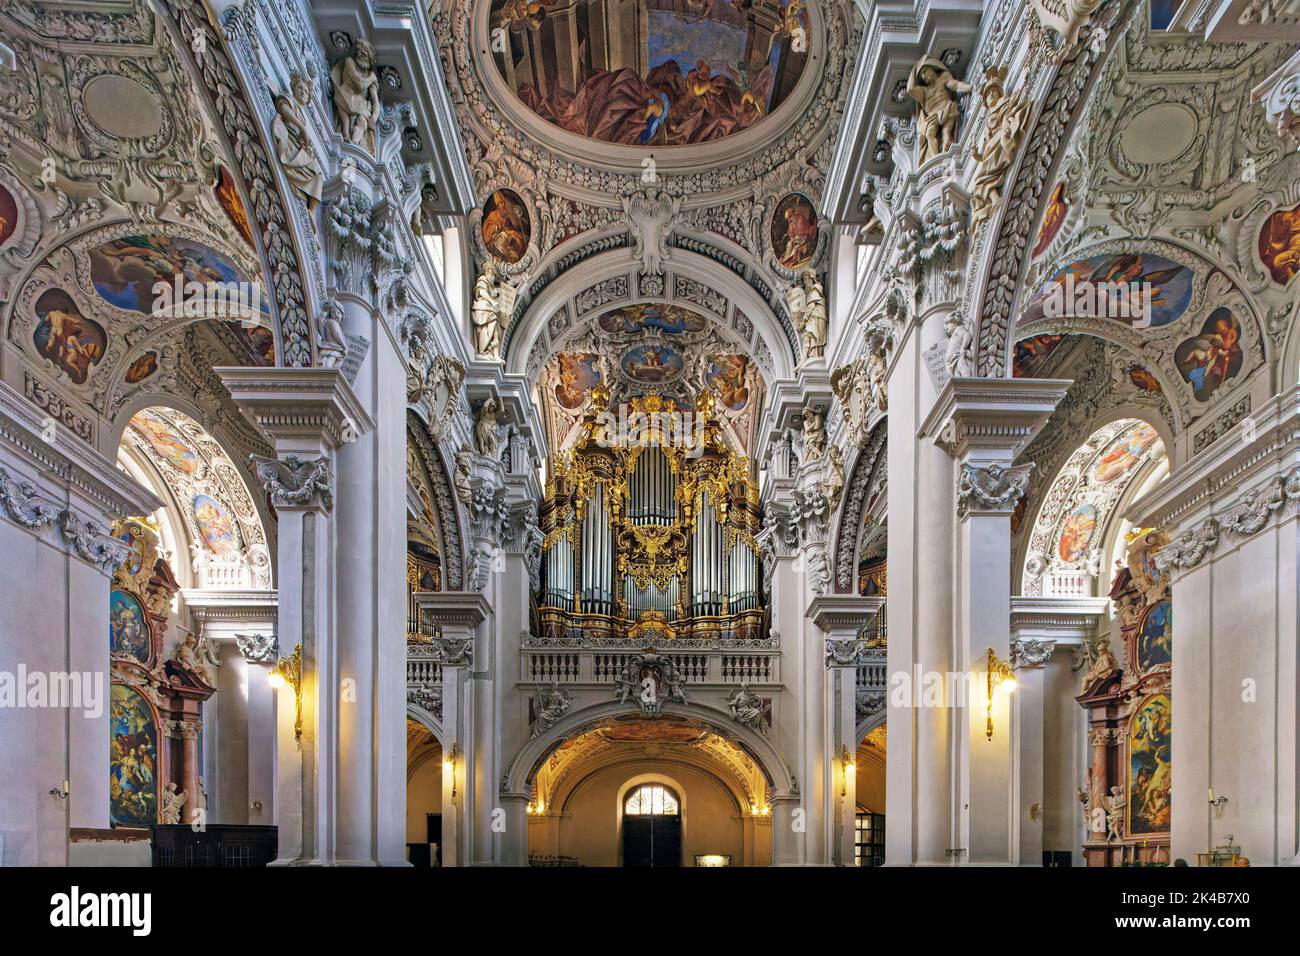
(995, 276)
(426, 720)
(611, 279)
(777, 773)
(870, 462)
(1068, 547)
(207, 499)
(451, 520)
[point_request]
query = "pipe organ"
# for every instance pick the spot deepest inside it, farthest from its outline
(650, 537)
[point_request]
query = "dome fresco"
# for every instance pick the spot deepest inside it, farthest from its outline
(651, 72)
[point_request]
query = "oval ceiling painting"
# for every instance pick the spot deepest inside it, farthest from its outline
(506, 227)
(1139, 289)
(651, 72)
(794, 231)
(1076, 534)
(652, 364)
(638, 318)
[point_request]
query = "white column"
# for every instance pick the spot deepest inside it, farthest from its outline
(305, 413)
(984, 424)
(840, 618)
(460, 615)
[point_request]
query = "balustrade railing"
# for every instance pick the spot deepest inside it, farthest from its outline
(699, 667)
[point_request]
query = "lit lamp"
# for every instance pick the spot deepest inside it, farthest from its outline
(287, 672)
(846, 761)
(449, 766)
(1000, 677)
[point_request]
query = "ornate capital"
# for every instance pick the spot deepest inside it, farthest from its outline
(991, 489)
(843, 653)
(1031, 653)
(258, 648)
(296, 483)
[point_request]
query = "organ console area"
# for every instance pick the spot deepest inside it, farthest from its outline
(650, 529)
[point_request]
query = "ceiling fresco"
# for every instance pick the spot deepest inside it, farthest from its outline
(651, 72)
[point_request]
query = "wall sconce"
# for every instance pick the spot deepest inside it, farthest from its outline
(846, 761)
(1217, 802)
(288, 672)
(449, 766)
(1000, 676)
(61, 791)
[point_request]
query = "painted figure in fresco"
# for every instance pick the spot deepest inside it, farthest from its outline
(140, 369)
(702, 74)
(1149, 767)
(1279, 244)
(794, 231)
(1210, 359)
(505, 226)
(935, 90)
(216, 526)
(67, 338)
(164, 440)
(577, 374)
(1076, 535)
(727, 377)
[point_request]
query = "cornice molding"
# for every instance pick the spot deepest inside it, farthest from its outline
(999, 414)
(66, 461)
(298, 403)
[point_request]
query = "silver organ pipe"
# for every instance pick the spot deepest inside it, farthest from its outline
(597, 556)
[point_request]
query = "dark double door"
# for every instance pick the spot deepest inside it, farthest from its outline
(652, 840)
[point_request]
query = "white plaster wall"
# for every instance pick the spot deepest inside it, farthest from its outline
(53, 618)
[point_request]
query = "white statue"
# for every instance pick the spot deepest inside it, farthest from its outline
(814, 433)
(188, 657)
(486, 311)
(293, 146)
(746, 707)
(833, 486)
(651, 215)
(878, 375)
(460, 480)
(356, 96)
(1114, 804)
(1103, 665)
(332, 345)
(170, 811)
(957, 356)
(486, 438)
(935, 90)
(807, 304)
(1005, 129)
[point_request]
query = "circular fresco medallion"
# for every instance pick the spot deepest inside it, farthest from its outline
(646, 73)
(1076, 535)
(8, 215)
(652, 364)
(794, 231)
(506, 227)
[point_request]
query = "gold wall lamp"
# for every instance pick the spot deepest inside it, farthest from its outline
(288, 672)
(1000, 676)
(449, 766)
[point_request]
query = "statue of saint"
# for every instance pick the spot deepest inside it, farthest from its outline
(356, 96)
(935, 90)
(293, 147)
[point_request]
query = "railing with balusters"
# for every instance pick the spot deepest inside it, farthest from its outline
(423, 669)
(699, 667)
